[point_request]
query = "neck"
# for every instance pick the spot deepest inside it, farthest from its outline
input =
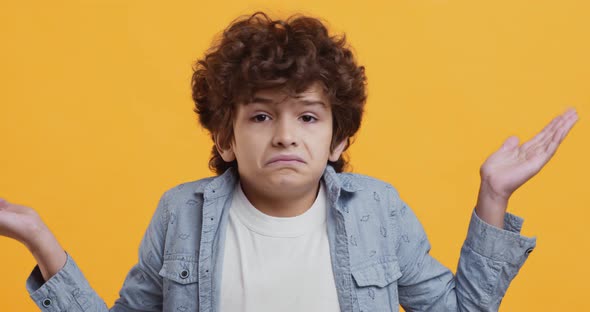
(284, 206)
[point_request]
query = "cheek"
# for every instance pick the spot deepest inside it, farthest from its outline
(248, 147)
(321, 142)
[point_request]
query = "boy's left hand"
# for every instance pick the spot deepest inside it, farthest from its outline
(511, 166)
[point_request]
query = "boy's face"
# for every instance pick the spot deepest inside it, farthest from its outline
(282, 143)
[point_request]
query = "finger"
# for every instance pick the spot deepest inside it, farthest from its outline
(6, 206)
(557, 119)
(553, 144)
(558, 127)
(568, 126)
(559, 135)
(548, 131)
(563, 128)
(566, 119)
(543, 140)
(543, 134)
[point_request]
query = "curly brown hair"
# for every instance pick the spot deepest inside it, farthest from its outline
(256, 52)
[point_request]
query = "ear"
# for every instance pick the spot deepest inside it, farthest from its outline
(335, 155)
(226, 154)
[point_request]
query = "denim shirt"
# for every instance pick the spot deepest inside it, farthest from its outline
(379, 252)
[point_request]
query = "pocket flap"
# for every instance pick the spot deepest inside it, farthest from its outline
(180, 271)
(379, 274)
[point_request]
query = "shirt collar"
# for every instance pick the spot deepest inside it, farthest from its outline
(224, 184)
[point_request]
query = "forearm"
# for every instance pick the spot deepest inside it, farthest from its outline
(48, 253)
(490, 259)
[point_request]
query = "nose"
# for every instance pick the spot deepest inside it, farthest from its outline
(284, 133)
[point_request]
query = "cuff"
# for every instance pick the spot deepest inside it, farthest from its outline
(59, 291)
(505, 245)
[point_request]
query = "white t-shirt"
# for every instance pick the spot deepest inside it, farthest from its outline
(277, 264)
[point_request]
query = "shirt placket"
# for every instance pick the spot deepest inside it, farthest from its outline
(340, 256)
(208, 230)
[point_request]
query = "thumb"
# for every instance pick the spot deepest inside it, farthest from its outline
(510, 143)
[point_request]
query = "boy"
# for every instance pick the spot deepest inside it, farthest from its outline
(282, 227)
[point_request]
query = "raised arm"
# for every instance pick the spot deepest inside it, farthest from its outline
(58, 284)
(490, 259)
(494, 251)
(24, 225)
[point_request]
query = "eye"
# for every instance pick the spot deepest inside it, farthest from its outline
(308, 118)
(259, 117)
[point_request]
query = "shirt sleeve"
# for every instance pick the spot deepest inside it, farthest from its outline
(69, 290)
(490, 259)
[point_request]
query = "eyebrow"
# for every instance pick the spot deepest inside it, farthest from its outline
(262, 100)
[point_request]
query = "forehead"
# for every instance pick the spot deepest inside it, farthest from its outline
(313, 95)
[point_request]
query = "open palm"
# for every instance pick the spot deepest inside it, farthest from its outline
(512, 165)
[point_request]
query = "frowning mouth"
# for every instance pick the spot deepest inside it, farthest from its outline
(285, 159)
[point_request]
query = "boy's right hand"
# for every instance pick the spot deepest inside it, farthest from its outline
(25, 225)
(21, 223)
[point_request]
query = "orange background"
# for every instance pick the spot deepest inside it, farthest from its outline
(96, 122)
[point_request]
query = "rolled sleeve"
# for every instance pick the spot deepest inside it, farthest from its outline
(506, 245)
(59, 292)
(68, 289)
(491, 258)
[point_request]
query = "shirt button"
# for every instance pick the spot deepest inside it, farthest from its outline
(46, 302)
(528, 251)
(184, 274)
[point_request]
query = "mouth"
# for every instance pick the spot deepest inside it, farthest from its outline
(285, 160)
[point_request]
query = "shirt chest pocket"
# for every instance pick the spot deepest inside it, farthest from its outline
(179, 283)
(376, 285)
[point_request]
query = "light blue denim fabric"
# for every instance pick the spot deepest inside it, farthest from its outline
(379, 251)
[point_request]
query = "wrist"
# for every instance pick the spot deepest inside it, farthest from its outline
(39, 237)
(48, 253)
(44, 245)
(491, 207)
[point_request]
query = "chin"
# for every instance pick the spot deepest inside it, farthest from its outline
(286, 179)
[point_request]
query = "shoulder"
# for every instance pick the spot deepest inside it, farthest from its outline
(363, 193)
(182, 201)
(184, 195)
(368, 184)
(186, 189)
